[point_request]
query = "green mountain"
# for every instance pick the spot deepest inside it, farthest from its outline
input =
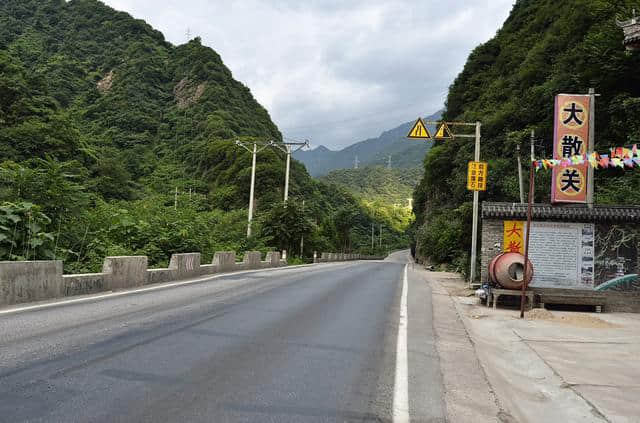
(544, 48)
(391, 186)
(114, 141)
(393, 143)
(384, 192)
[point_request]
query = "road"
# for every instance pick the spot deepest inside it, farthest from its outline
(323, 343)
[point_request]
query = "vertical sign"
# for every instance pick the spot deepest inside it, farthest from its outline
(570, 138)
(513, 241)
(477, 176)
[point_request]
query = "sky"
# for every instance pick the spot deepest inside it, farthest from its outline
(334, 71)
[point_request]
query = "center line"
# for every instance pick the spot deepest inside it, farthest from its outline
(401, 387)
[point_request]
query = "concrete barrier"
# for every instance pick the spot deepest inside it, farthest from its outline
(225, 261)
(272, 260)
(83, 284)
(250, 261)
(186, 265)
(27, 281)
(30, 281)
(332, 257)
(125, 272)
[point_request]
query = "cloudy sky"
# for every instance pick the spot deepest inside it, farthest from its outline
(334, 71)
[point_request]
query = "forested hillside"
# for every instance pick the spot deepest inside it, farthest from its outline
(544, 48)
(384, 192)
(102, 121)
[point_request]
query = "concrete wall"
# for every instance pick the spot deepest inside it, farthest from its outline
(331, 257)
(251, 260)
(27, 281)
(125, 272)
(22, 282)
(273, 260)
(89, 283)
(225, 261)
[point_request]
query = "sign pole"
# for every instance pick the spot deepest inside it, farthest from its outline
(590, 145)
(474, 233)
(532, 175)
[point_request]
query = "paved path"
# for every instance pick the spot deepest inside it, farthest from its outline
(324, 343)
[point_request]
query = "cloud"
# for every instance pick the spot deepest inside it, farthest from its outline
(334, 71)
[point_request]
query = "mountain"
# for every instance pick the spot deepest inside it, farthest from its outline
(374, 151)
(382, 191)
(377, 183)
(509, 83)
(115, 142)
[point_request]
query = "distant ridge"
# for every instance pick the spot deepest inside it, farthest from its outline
(373, 151)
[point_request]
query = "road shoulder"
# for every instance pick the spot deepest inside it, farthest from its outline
(468, 395)
(552, 366)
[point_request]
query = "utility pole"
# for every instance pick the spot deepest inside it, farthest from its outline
(287, 148)
(175, 200)
(302, 236)
(381, 235)
(254, 151)
(520, 174)
(372, 237)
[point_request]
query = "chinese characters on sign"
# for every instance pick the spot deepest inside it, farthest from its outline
(513, 241)
(571, 137)
(562, 253)
(477, 176)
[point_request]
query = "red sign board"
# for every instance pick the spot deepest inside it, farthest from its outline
(570, 138)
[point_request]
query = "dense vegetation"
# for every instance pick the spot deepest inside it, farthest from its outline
(102, 122)
(544, 48)
(384, 192)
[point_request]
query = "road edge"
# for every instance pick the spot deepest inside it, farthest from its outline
(469, 395)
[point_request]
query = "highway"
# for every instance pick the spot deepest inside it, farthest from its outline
(336, 342)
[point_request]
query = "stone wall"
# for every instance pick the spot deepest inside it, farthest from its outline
(491, 245)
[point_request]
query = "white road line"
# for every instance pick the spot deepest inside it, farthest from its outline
(151, 288)
(401, 387)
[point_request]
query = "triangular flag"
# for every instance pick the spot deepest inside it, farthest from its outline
(443, 132)
(419, 131)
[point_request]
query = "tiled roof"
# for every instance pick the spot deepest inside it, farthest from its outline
(572, 212)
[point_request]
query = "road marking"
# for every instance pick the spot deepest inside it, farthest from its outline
(154, 288)
(401, 386)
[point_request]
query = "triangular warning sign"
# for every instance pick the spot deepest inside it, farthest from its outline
(443, 132)
(419, 130)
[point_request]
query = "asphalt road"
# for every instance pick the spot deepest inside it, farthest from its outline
(324, 343)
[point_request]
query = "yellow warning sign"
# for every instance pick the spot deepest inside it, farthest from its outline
(477, 176)
(419, 131)
(443, 132)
